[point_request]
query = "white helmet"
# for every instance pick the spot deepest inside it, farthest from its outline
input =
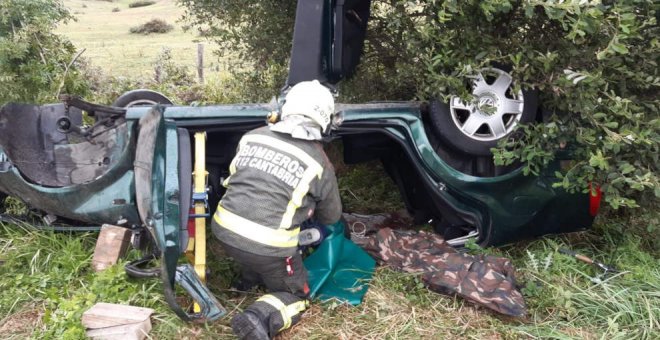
(312, 100)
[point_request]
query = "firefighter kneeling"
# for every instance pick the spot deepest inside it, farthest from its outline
(279, 178)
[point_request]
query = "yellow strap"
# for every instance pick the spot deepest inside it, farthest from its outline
(199, 181)
(281, 238)
(287, 312)
(280, 306)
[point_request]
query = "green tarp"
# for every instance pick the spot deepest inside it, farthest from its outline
(339, 269)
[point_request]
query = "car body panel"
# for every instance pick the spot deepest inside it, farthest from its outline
(502, 207)
(109, 197)
(143, 187)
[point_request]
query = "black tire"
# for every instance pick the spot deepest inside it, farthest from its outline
(141, 97)
(444, 126)
(479, 166)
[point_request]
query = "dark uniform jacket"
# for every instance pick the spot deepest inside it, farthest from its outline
(276, 182)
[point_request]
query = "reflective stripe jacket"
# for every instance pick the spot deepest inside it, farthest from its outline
(276, 182)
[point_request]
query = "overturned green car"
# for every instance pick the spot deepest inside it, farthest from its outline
(132, 167)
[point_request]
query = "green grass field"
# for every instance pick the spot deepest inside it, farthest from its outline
(105, 36)
(46, 283)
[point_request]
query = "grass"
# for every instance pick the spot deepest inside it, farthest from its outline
(105, 36)
(46, 283)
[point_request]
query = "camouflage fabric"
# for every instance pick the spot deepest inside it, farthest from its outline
(486, 280)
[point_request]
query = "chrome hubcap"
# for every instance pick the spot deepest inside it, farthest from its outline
(487, 104)
(495, 111)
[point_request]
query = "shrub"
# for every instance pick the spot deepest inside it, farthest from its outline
(141, 3)
(116, 9)
(167, 71)
(596, 61)
(590, 60)
(33, 60)
(152, 26)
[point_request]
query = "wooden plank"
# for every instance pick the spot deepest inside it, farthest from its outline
(133, 331)
(111, 245)
(103, 315)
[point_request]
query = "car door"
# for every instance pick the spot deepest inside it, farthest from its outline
(162, 187)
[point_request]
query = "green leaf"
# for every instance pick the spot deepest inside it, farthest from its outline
(619, 48)
(626, 168)
(598, 161)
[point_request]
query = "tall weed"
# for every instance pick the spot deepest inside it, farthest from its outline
(573, 295)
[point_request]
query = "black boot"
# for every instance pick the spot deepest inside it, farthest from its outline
(248, 326)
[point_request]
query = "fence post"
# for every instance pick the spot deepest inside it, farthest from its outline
(200, 62)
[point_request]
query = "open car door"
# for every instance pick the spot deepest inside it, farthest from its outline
(163, 193)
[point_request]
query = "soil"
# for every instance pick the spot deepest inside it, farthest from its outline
(22, 323)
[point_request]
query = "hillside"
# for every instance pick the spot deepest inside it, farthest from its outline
(103, 31)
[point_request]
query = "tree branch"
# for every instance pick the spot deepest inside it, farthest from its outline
(66, 71)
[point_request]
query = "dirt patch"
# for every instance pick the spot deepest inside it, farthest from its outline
(21, 324)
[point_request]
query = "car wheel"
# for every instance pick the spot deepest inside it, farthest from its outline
(141, 98)
(476, 127)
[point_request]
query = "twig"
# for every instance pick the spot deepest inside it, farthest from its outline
(66, 71)
(41, 50)
(352, 194)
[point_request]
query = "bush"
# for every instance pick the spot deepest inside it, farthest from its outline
(141, 3)
(33, 60)
(266, 42)
(116, 9)
(590, 60)
(152, 26)
(166, 71)
(595, 61)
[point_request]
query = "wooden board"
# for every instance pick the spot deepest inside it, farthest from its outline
(103, 315)
(133, 331)
(111, 245)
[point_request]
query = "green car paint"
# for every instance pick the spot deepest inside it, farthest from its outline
(142, 187)
(509, 204)
(109, 198)
(512, 204)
